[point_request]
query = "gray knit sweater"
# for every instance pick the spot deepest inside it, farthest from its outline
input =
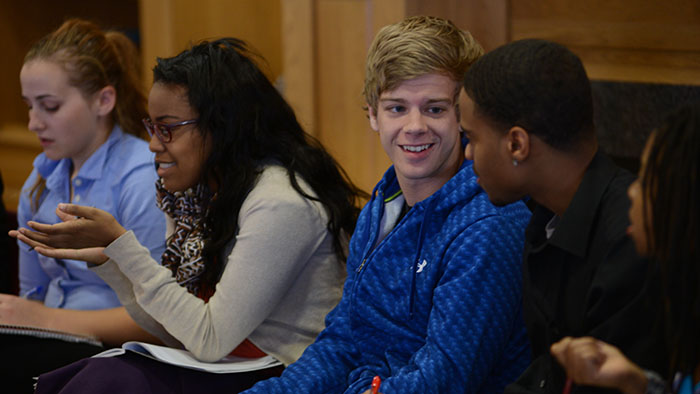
(280, 280)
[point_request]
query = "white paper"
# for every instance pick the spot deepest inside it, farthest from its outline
(185, 359)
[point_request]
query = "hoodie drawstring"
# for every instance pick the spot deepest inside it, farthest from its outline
(416, 259)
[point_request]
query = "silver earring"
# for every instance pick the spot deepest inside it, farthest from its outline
(515, 162)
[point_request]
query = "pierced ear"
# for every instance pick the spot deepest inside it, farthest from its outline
(105, 100)
(372, 114)
(518, 143)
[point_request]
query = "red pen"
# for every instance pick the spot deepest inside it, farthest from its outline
(376, 382)
(567, 386)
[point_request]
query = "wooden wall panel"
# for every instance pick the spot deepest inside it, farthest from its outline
(486, 20)
(298, 60)
(344, 29)
(24, 22)
(169, 26)
(18, 148)
(623, 40)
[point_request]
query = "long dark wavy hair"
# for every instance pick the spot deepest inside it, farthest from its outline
(250, 123)
(671, 189)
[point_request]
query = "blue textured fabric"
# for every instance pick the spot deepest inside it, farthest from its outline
(435, 307)
(119, 177)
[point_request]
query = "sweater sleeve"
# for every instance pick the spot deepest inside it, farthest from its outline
(475, 318)
(326, 364)
(277, 235)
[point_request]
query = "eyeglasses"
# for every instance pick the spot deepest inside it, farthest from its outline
(164, 131)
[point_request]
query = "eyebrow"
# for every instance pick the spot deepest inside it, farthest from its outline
(40, 97)
(430, 101)
(163, 118)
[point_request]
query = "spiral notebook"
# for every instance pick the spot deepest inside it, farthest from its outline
(38, 332)
(185, 359)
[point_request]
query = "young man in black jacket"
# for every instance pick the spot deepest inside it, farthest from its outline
(527, 110)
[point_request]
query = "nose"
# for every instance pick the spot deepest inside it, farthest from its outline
(469, 152)
(155, 145)
(35, 123)
(416, 122)
(633, 189)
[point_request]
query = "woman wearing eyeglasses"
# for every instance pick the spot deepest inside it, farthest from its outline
(85, 100)
(258, 217)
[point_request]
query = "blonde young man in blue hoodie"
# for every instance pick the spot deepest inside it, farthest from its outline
(432, 302)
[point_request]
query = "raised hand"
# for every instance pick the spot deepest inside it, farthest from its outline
(591, 362)
(82, 227)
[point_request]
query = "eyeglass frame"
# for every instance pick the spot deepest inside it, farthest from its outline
(163, 131)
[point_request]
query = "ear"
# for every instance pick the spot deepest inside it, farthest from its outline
(105, 100)
(372, 118)
(518, 141)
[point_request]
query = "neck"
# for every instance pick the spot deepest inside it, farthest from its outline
(102, 134)
(557, 176)
(417, 190)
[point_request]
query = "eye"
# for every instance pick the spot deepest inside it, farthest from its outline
(50, 107)
(164, 130)
(436, 110)
(396, 108)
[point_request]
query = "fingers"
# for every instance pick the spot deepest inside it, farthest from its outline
(80, 211)
(69, 254)
(580, 357)
(71, 227)
(91, 255)
(31, 238)
(65, 217)
(46, 228)
(558, 349)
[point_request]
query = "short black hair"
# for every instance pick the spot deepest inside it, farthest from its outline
(538, 85)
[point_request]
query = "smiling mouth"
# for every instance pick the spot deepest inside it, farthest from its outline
(164, 165)
(416, 148)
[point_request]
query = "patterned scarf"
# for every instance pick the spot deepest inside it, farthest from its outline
(183, 252)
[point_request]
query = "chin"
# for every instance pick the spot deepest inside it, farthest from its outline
(171, 188)
(53, 155)
(640, 245)
(499, 202)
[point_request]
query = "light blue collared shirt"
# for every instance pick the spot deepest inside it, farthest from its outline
(118, 178)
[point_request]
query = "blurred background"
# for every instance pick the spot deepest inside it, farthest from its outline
(642, 55)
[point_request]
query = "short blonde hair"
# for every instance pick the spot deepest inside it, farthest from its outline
(414, 47)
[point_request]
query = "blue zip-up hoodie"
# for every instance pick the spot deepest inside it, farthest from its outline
(433, 307)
